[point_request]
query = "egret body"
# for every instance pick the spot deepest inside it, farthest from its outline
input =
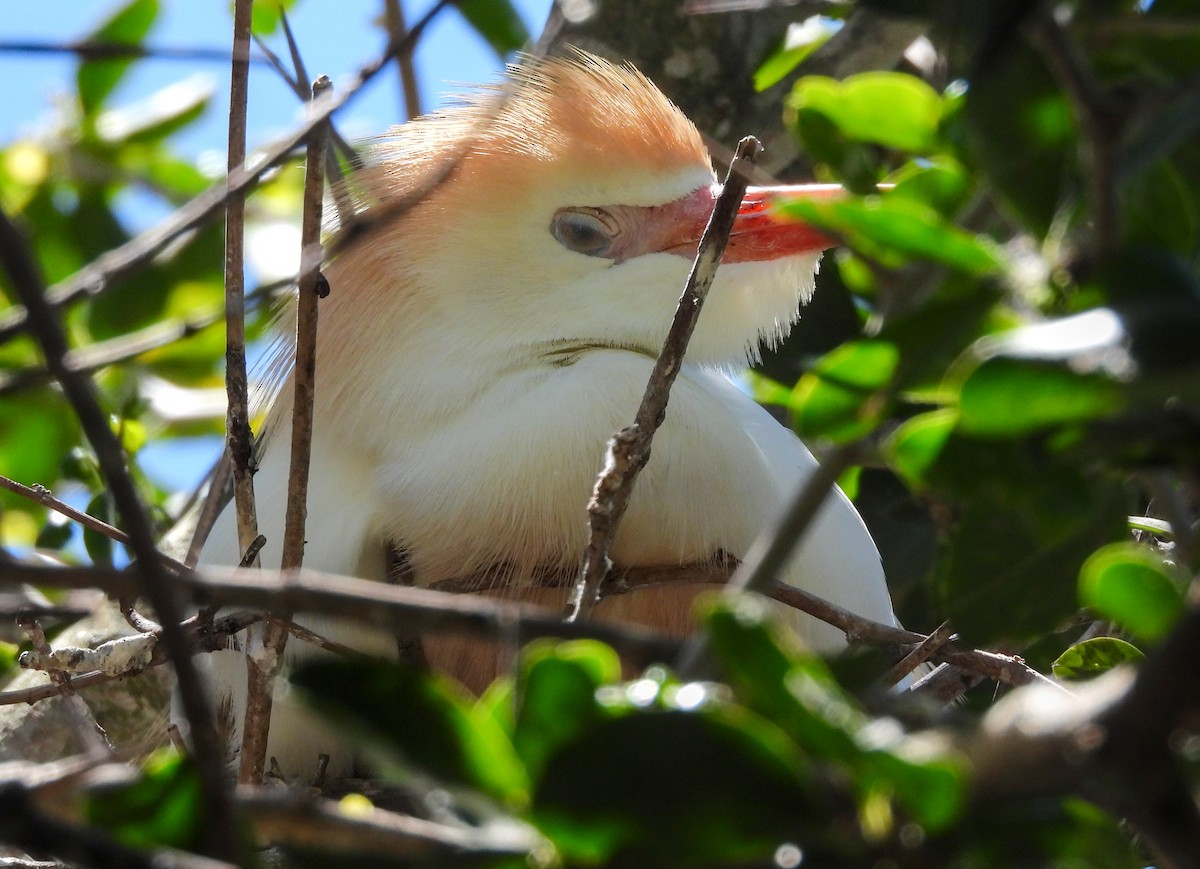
(478, 349)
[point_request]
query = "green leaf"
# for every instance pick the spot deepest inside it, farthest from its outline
(266, 14)
(914, 447)
(557, 700)
(412, 719)
(99, 546)
(158, 116)
(884, 108)
(497, 22)
(781, 62)
(942, 184)
(839, 399)
(162, 808)
(96, 79)
(1095, 656)
(1006, 397)
(1129, 585)
(653, 788)
(36, 429)
(897, 230)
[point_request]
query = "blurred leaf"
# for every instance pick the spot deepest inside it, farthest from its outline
(54, 535)
(1159, 210)
(896, 230)
(497, 22)
(839, 398)
(99, 546)
(419, 720)
(782, 61)
(1095, 656)
(1011, 397)
(8, 660)
(265, 15)
(658, 788)
(162, 808)
(914, 447)
(1021, 130)
(127, 26)
(557, 700)
(942, 184)
(36, 429)
(164, 112)
(1129, 585)
(884, 108)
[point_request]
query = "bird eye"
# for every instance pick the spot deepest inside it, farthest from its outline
(589, 231)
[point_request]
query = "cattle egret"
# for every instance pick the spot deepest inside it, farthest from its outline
(477, 351)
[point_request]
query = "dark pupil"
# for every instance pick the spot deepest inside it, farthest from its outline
(582, 233)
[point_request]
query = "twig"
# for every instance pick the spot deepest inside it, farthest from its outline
(120, 262)
(91, 50)
(389, 607)
(156, 582)
(394, 14)
(261, 669)
(239, 439)
(201, 636)
(925, 650)
(41, 495)
(1099, 120)
(629, 448)
(88, 730)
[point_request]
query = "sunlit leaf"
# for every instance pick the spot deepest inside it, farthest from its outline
(265, 15)
(163, 807)
(416, 720)
(1130, 585)
(914, 447)
(557, 699)
(1010, 397)
(498, 22)
(839, 399)
(897, 230)
(97, 78)
(1095, 656)
(884, 108)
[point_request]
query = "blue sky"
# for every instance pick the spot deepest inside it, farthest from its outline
(335, 39)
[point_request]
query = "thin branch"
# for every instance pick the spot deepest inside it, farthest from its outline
(394, 15)
(629, 449)
(91, 50)
(261, 669)
(389, 607)
(1100, 121)
(116, 663)
(925, 650)
(41, 495)
(239, 439)
(25, 279)
(87, 729)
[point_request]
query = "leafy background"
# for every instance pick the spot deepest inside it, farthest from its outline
(1008, 336)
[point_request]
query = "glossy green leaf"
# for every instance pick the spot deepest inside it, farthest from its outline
(839, 399)
(883, 108)
(721, 785)
(417, 720)
(158, 116)
(163, 807)
(914, 447)
(1131, 586)
(497, 22)
(557, 699)
(266, 14)
(1006, 397)
(780, 63)
(1095, 656)
(96, 79)
(942, 184)
(897, 230)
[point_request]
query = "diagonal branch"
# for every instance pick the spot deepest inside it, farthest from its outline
(629, 449)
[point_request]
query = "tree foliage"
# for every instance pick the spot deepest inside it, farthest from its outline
(1016, 304)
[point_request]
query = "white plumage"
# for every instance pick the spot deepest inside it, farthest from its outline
(472, 365)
